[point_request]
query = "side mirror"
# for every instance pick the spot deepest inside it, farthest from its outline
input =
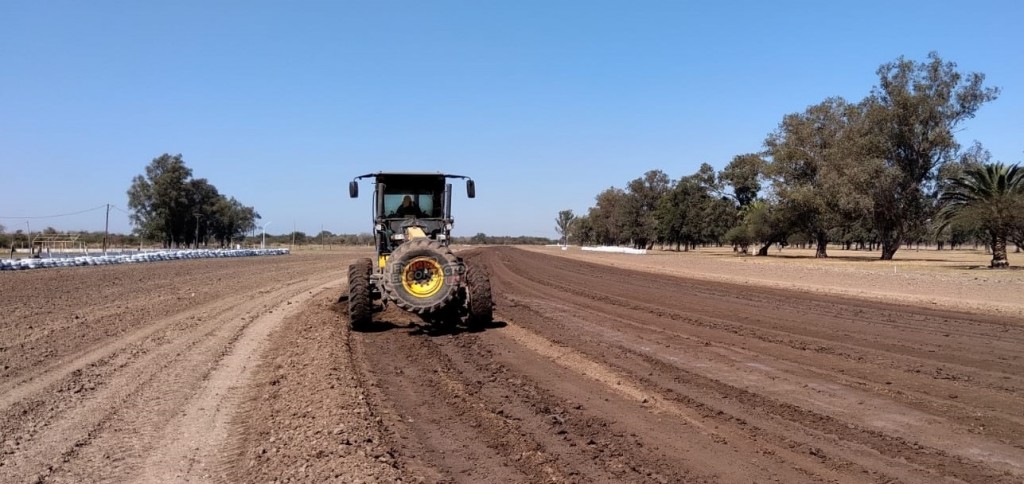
(470, 189)
(353, 189)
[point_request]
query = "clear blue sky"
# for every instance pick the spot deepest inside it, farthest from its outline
(544, 103)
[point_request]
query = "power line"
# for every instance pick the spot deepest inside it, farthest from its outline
(58, 215)
(119, 209)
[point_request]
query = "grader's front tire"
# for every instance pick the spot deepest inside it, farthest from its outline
(360, 305)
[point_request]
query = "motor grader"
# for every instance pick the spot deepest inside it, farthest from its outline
(414, 267)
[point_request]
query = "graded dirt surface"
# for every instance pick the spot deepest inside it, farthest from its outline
(244, 370)
(959, 280)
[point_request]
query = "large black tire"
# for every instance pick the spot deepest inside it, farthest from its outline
(430, 260)
(479, 302)
(360, 306)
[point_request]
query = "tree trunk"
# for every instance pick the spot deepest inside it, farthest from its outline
(890, 245)
(763, 251)
(822, 243)
(999, 260)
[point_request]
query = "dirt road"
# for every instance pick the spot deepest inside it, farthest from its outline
(246, 371)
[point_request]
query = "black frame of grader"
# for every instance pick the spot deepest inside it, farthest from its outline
(438, 225)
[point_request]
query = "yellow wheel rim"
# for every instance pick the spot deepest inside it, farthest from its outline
(422, 277)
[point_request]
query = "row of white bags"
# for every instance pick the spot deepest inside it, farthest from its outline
(133, 258)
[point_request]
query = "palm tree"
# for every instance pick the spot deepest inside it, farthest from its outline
(990, 196)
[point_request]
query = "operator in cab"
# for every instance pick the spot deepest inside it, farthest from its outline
(409, 209)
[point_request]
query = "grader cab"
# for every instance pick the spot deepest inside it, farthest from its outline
(414, 267)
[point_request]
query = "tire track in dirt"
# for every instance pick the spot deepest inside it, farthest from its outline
(799, 433)
(471, 419)
(907, 323)
(102, 415)
(202, 430)
(416, 389)
(598, 374)
(307, 415)
(594, 320)
(774, 334)
(53, 315)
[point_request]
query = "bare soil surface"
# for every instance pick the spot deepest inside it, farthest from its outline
(245, 370)
(134, 372)
(958, 279)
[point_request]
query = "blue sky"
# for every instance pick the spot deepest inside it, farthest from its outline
(544, 103)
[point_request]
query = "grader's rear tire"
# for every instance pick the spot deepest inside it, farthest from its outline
(422, 276)
(479, 302)
(360, 306)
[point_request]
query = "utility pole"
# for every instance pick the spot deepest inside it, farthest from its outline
(106, 230)
(197, 228)
(28, 227)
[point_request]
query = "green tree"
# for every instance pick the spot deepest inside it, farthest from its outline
(679, 212)
(751, 227)
(992, 197)
(743, 174)
(582, 231)
(563, 224)
(230, 220)
(159, 200)
(609, 217)
(169, 205)
(202, 197)
(960, 231)
(719, 215)
(324, 237)
(818, 171)
(641, 202)
(765, 223)
(694, 212)
(913, 113)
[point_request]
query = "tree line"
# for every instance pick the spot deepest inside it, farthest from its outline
(168, 205)
(327, 238)
(876, 174)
